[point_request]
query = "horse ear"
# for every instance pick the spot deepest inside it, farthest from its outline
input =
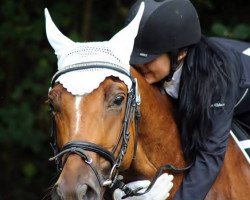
(122, 43)
(56, 39)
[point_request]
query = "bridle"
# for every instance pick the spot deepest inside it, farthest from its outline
(82, 147)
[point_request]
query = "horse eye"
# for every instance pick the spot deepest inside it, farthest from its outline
(118, 100)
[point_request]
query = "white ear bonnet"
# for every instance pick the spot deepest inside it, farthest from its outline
(113, 53)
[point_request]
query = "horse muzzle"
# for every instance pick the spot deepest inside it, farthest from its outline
(77, 181)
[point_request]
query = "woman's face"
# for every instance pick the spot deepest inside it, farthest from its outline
(155, 70)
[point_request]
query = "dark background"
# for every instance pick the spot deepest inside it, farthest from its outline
(28, 63)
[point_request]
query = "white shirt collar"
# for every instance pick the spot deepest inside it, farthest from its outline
(172, 86)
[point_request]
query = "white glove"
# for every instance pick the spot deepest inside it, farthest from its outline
(159, 191)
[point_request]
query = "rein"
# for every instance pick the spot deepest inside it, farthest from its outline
(128, 192)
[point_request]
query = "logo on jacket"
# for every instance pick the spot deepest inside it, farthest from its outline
(217, 105)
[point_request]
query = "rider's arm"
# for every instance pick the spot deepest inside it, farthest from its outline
(208, 162)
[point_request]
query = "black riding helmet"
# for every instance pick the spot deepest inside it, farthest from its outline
(179, 27)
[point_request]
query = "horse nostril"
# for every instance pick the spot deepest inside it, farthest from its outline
(86, 192)
(57, 193)
(81, 191)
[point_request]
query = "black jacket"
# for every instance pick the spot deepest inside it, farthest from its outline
(207, 164)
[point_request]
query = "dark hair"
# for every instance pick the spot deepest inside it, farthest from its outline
(206, 78)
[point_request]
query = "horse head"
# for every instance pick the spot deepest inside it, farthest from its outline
(91, 133)
(93, 102)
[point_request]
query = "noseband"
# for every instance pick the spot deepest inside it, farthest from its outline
(81, 148)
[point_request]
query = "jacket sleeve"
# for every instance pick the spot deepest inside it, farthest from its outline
(200, 178)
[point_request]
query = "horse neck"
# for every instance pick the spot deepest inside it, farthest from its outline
(157, 127)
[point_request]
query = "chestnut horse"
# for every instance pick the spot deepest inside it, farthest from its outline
(96, 138)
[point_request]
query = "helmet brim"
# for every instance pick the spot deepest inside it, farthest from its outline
(138, 58)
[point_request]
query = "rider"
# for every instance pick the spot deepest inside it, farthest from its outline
(209, 78)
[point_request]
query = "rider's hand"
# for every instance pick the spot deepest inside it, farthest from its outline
(159, 191)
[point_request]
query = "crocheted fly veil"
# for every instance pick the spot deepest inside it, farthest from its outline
(92, 61)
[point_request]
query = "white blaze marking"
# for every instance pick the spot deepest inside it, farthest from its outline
(78, 112)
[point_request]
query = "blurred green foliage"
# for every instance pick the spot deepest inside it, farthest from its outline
(28, 63)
